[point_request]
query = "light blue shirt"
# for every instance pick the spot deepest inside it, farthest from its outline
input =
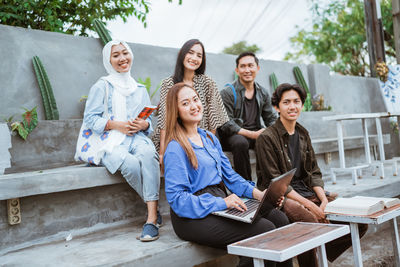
(182, 180)
(94, 109)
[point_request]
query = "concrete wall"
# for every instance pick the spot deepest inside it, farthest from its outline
(74, 63)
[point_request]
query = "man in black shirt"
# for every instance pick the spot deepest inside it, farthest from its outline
(250, 112)
(287, 145)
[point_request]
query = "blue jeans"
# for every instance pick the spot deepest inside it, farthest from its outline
(137, 160)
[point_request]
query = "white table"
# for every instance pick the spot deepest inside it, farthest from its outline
(289, 241)
(368, 163)
(377, 218)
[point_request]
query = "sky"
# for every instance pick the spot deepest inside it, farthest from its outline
(218, 24)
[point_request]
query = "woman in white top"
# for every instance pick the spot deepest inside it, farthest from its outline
(128, 149)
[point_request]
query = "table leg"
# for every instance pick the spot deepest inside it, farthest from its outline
(333, 176)
(380, 139)
(321, 253)
(398, 124)
(354, 176)
(396, 242)
(355, 239)
(258, 262)
(381, 170)
(339, 128)
(366, 141)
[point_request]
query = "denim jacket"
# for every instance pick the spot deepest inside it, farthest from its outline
(93, 116)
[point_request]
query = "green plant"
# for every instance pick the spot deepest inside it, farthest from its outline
(29, 122)
(83, 98)
(72, 16)
(318, 103)
(239, 47)
(274, 81)
(337, 36)
(300, 79)
(101, 30)
(395, 127)
(49, 102)
(147, 84)
(9, 119)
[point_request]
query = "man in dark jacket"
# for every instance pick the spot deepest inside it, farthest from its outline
(287, 145)
(250, 112)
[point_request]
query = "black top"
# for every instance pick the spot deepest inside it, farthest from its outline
(295, 157)
(250, 111)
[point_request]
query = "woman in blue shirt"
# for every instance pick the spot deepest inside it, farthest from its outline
(128, 149)
(194, 168)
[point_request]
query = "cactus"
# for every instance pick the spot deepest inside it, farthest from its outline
(101, 30)
(274, 81)
(49, 102)
(300, 79)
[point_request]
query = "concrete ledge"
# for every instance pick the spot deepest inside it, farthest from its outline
(55, 180)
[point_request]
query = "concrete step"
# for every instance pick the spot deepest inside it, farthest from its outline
(116, 246)
(368, 185)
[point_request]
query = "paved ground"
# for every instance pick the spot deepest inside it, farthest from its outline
(376, 246)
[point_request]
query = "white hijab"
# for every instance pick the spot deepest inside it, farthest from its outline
(123, 85)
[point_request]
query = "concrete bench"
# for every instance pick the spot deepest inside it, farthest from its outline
(16, 185)
(57, 197)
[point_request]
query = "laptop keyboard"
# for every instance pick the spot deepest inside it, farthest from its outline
(251, 204)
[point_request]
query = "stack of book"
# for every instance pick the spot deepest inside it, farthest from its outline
(360, 205)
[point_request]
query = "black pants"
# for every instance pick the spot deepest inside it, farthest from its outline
(239, 146)
(218, 232)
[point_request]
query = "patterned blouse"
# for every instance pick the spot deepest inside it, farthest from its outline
(214, 114)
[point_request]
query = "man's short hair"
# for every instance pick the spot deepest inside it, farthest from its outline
(277, 95)
(245, 54)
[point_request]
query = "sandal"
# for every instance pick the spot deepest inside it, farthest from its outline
(149, 232)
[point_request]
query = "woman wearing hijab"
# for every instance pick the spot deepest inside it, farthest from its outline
(128, 148)
(189, 68)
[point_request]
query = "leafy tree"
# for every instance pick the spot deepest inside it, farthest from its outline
(69, 16)
(240, 47)
(338, 37)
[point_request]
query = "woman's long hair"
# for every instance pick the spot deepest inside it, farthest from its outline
(174, 126)
(179, 68)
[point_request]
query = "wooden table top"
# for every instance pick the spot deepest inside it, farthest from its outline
(289, 236)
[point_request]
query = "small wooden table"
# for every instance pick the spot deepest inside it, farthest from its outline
(289, 241)
(376, 218)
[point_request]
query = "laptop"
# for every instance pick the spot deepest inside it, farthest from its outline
(276, 189)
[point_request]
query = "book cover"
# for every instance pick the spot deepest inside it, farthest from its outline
(355, 206)
(146, 112)
(389, 202)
